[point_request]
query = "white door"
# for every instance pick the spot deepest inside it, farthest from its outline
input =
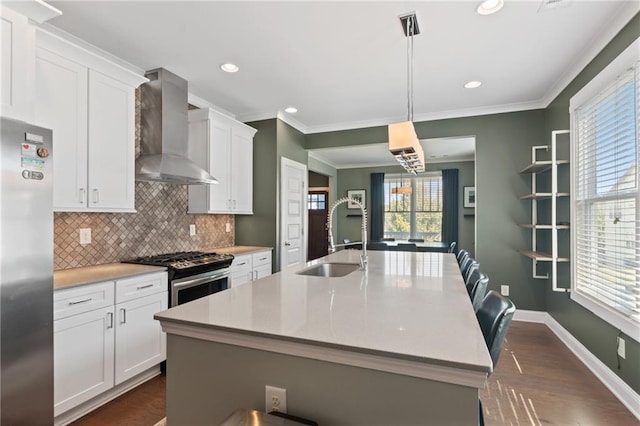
(293, 210)
(140, 342)
(82, 358)
(111, 143)
(61, 105)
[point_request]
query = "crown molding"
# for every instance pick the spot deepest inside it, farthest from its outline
(599, 41)
(203, 103)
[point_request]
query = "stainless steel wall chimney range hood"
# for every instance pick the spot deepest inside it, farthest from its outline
(164, 132)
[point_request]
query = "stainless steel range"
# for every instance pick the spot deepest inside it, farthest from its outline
(192, 274)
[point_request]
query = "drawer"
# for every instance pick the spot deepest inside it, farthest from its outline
(241, 264)
(77, 300)
(140, 286)
(262, 258)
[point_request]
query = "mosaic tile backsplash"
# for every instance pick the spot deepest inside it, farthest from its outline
(161, 225)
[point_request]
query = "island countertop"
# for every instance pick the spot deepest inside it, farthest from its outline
(408, 313)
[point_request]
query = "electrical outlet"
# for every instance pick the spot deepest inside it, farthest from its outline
(621, 348)
(275, 399)
(504, 290)
(85, 236)
(227, 227)
(192, 230)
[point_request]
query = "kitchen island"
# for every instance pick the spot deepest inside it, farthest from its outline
(398, 344)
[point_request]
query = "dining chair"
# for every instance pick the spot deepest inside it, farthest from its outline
(466, 261)
(470, 268)
(416, 240)
(477, 287)
(494, 316)
(461, 253)
(377, 246)
(406, 247)
(452, 247)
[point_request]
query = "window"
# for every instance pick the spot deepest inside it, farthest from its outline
(413, 206)
(317, 201)
(606, 231)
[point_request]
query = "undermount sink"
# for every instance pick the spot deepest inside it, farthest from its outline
(329, 269)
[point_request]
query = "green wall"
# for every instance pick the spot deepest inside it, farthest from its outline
(597, 335)
(349, 227)
(275, 139)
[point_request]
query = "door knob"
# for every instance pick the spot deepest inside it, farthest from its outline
(287, 244)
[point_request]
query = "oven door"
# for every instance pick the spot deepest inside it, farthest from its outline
(190, 288)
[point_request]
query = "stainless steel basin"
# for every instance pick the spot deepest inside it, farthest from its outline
(329, 269)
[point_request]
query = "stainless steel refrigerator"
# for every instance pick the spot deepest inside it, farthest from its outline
(26, 274)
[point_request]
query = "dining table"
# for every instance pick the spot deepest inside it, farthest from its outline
(424, 246)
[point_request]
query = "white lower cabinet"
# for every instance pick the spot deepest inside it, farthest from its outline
(139, 343)
(104, 335)
(83, 357)
(250, 267)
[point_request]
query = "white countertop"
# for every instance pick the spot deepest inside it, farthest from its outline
(408, 306)
(93, 274)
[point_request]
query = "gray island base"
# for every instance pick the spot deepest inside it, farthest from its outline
(396, 345)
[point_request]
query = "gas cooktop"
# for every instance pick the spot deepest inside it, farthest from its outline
(186, 260)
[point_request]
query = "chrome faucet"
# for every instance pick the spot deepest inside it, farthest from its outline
(332, 246)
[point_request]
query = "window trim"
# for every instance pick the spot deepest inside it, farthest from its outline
(618, 66)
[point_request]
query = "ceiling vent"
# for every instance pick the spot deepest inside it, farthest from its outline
(553, 4)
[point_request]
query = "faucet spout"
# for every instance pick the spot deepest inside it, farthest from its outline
(332, 246)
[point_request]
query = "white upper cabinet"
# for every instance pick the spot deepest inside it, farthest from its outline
(223, 147)
(18, 55)
(89, 103)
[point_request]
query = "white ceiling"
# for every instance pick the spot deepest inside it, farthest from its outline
(343, 64)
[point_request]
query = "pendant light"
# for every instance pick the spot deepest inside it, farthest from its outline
(403, 141)
(402, 190)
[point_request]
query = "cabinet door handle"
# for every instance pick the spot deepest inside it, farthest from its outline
(142, 287)
(82, 196)
(229, 204)
(110, 317)
(123, 316)
(76, 302)
(255, 274)
(96, 196)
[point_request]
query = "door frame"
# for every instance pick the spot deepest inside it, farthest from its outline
(284, 161)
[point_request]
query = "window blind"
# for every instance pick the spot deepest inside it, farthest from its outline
(606, 196)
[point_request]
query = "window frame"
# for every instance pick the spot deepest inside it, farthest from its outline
(628, 58)
(413, 212)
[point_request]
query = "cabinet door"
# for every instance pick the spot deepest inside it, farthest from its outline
(61, 105)
(111, 144)
(241, 271)
(242, 172)
(17, 50)
(220, 167)
(140, 342)
(82, 357)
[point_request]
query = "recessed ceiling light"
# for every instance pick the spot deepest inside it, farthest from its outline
(488, 7)
(291, 110)
(472, 84)
(229, 67)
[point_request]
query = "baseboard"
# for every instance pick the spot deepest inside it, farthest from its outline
(88, 406)
(627, 396)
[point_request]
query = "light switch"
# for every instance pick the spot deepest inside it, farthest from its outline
(85, 236)
(227, 227)
(192, 230)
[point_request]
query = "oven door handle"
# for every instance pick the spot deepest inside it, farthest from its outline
(197, 281)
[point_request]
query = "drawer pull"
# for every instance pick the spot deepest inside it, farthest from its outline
(142, 287)
(241, 264)
(110, 316)
(76, 302)
(263, 258)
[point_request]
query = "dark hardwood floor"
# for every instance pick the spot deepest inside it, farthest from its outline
(538, 381)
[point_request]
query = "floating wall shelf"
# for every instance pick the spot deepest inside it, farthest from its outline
(541, 166)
